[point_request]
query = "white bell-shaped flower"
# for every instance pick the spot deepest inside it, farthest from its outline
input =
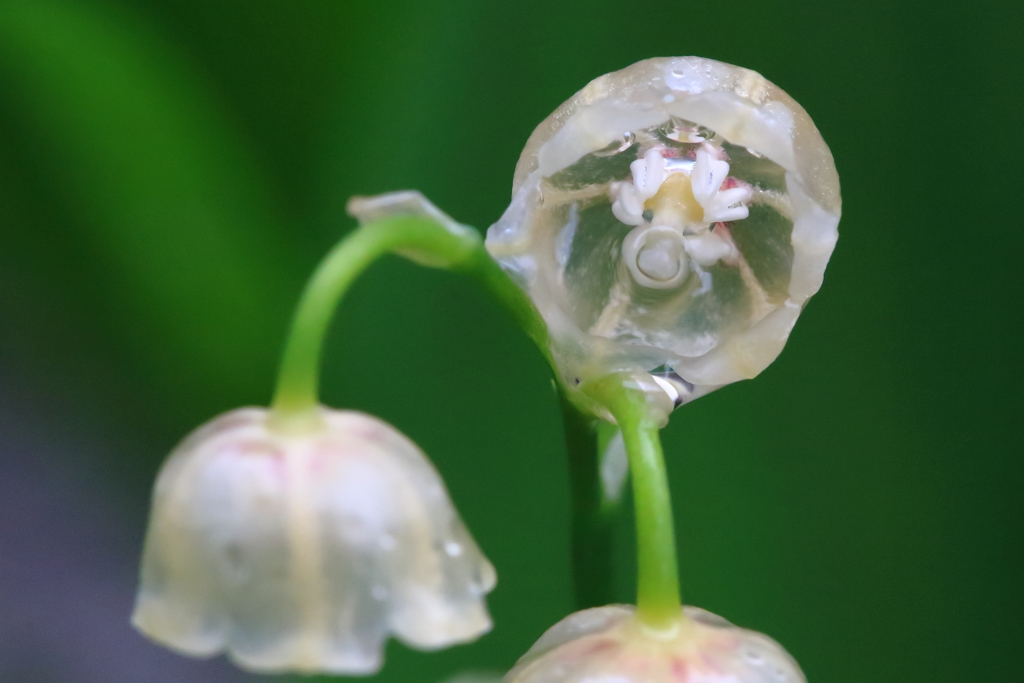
(609, 645)
(304, 551)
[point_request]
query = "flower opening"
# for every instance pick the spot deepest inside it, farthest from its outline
(672, 216)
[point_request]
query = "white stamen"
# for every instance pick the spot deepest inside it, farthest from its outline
(735, 213)
(708, 248)
(627, 207)
(648, 174)
(733, 196)
(709, 173)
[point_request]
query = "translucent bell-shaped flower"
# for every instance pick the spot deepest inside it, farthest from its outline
(305, 551)
(674, 218)
(608, 645)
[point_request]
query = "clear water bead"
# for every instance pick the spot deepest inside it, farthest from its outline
(305, 551)
(609, 644)
(679, 214)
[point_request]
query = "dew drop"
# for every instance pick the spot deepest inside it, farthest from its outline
(618, 146)
(702, 134)
(685, 132)
(678, 389)
(671, 128)
(453, 549)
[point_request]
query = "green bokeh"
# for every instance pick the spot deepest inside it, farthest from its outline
(171, 170)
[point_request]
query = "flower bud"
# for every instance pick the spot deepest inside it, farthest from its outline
(609, 645)
(672, 217)
(304, 551)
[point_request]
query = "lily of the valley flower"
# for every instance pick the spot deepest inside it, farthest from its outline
(305, 551)
(609, 645)
(699, 259)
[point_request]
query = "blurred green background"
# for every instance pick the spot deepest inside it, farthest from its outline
(171, 170)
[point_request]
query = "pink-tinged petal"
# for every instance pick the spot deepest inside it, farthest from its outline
(607, 644)
(305, 552)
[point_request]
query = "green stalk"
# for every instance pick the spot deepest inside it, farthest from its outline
(427, 242)
(591, 532)
(421, 239)
(658, 602)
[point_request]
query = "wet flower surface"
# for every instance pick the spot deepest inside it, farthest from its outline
(673, 217)
(304, 551)
(609, 645)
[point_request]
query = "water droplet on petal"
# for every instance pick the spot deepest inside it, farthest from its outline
(453, 549)
(618, 146)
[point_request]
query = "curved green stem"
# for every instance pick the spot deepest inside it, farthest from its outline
(658, 603)
(418, 238)
(430, 243)
(484, 269)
